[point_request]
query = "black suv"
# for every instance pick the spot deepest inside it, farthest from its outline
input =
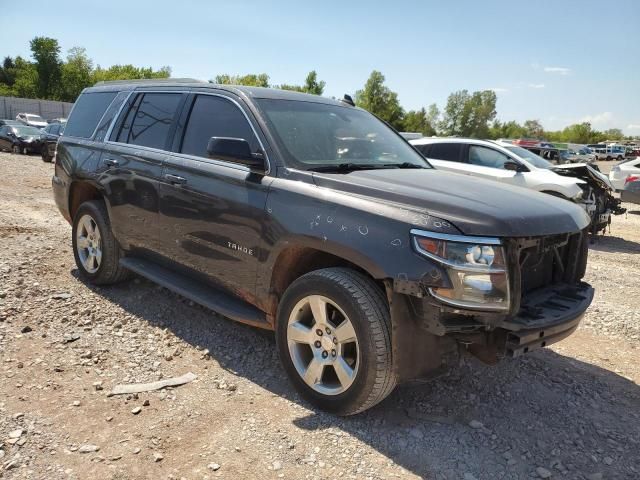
(311, 217)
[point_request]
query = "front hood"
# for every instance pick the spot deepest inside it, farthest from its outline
(475, 206)
(584, 172)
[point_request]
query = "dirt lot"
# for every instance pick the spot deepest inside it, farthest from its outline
(571, 411)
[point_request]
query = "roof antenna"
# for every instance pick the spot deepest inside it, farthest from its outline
(348, 100)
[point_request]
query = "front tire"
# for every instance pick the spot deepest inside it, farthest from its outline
(95, 249)
(333, 335)
(15, 149)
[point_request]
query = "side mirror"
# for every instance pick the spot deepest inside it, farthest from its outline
(513, 166)
(236, 150)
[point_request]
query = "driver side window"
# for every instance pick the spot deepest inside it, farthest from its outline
(487, 157)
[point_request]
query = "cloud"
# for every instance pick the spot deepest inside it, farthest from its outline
(536, 85)
(602, 119)
(560, 70)
(499, 89)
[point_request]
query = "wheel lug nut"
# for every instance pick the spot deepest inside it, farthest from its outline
(328, 331)
(319, 332)
(335, 341)
(333, 353)
(317, 343)
(324, 354)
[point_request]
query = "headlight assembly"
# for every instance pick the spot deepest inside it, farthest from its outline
(476, 267)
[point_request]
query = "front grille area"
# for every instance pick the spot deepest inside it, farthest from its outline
(556, 259)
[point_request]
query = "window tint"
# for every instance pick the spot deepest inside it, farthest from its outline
(55, 129)
(446, 151)
(487, 157)
(87, 112)
(151, 121)
(214, 117)
(4, 130)
(423, 149)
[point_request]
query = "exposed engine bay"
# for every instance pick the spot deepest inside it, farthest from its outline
(597, 192)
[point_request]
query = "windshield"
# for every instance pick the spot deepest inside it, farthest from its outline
(530, 157)
(317, 135)
(22, 131)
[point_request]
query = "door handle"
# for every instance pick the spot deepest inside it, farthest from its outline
(111, 162)
(175, 179)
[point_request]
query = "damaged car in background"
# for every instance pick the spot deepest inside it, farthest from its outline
(310, 217)
(508, 163)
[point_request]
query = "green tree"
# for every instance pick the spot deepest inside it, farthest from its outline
(533, 129)
(613, 134)
(468, 115)
(311, 85)
(46, 53)
(377, 98)
(510, 129)
(418, 121)
(76, 74)
(128, 72)
(26, 79)
(578, 133)
(249, 80)
(7, 72)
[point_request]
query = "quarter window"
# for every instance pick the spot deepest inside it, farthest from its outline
(213, 116)
(87, 112)
(148, 122)
(487, 157)
(446, 151)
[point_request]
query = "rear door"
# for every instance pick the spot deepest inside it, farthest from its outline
(445, 156)
(132, 166)
(213, 211)
(5, 140)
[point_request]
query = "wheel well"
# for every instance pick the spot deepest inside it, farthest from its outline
(294, 262)
(79, 193)
(554, 194)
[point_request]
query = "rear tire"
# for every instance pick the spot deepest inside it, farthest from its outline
(95, 249)
(45, 154)
(15, 149)
(358, 373)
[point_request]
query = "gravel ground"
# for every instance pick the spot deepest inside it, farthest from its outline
(570, 411)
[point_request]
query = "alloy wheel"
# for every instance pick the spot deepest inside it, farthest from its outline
(323, 345)
(89, 244)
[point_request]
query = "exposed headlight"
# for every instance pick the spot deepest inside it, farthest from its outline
(476, 267)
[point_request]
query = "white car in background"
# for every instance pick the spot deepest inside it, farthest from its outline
(620, 172)
(504, 162)
(31, 120)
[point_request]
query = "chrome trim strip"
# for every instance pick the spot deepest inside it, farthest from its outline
(454, 266)
(115, 118)
(457, 238)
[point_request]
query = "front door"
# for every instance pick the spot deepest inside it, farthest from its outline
(212, 211)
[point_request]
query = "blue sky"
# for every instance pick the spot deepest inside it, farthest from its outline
(557, 61)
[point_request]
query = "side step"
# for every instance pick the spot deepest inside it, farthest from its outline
(218, 301)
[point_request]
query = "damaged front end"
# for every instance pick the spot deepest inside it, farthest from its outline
(597, 193)
(542, 302)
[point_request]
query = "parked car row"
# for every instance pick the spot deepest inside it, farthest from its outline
(508, 163)
(17, 137)
(311, 217)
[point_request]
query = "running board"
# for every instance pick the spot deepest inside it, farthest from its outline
(215, 300)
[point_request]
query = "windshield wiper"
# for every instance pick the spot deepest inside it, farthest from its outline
(346, 167)
(404, 165)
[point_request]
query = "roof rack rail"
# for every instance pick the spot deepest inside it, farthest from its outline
(151, 80)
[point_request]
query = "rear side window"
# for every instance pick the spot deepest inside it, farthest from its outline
(423, 149)
(87, 112)
(213, 116)
(148, 122)
(446, 151)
